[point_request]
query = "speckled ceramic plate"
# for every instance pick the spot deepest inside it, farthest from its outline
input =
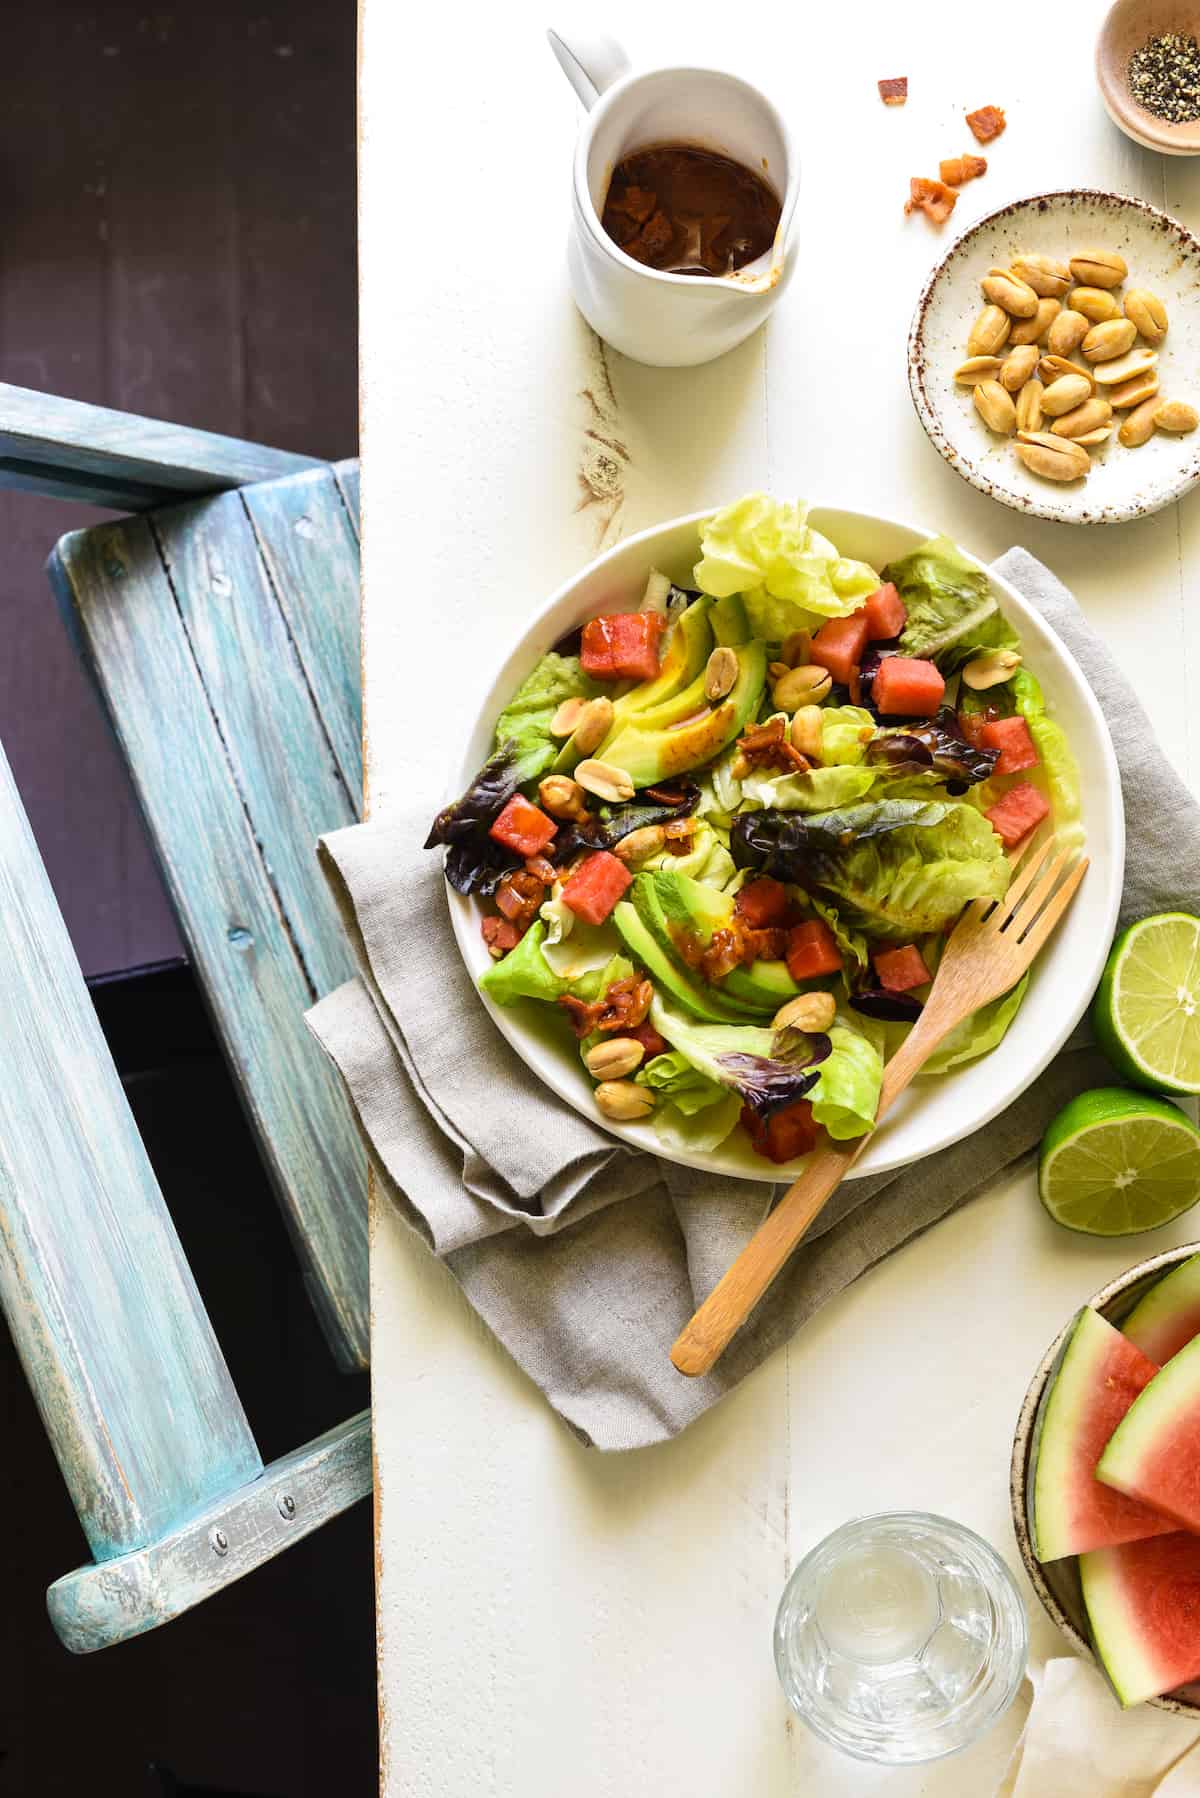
(1057, 1582)
(1162, 255)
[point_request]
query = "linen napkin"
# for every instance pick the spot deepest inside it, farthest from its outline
(1077, 1740)
(586, 1258)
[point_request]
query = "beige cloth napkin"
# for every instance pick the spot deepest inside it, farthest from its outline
(1078, 1743)
(587, 1259)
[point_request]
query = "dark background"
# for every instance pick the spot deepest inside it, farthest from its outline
(177, 196)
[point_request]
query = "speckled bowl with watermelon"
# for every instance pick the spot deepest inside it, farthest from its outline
(1075, 1358)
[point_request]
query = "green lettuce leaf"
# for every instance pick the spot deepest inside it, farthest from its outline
(674, 1076)
(1059, 769)
(815, 790)
(768, 1068)
(952, 611)
(896, 869)
(846, 1096)
(979, 1033)
(845, 732)
(524, 973)
(698, 1132)
(525, 720)
(708, 859)
(856, 957)
(787, 574)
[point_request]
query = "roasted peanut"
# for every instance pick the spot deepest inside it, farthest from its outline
(639, 844)
(1032, 330)
(1044, 274)
(1148, 313)
(1008, 290)
(1065, 394)
(1138, 426)
(1094, 303)
(1093, 439)
(1177, 417)
(810, 1012)
(1105, 342)
(592, 725)
(990, 669)
(562, 797)
(566, 718)
(1029, 406)
(995, 407)
(990, 332)
(796, 649)
(721, 673)
(1123, 368)
(605, 781)
(1053, 368)
(1054, 458)
(1099, 268)
(975, 368)
(805, 732)
(623, 1101)
(1017, 367)
(1088, 417)
(614, 1058)
(807, 685)
(1067, 333)
(1132, 392)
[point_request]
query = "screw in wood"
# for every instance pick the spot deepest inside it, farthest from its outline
(220, 1542)
(287, 1505)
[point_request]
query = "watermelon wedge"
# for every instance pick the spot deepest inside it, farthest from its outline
(1143, 1604)
(1169, 1316)
(1154, 1454)
(1099, 1376)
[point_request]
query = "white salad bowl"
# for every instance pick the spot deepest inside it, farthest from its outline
(933, 1112)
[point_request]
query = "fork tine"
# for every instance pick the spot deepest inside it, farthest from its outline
(1025, 914)
(1034, 939)
(1020, 881)
(998, 909)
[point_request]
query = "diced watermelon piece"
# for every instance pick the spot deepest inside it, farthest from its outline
(1141, 1600)
(1020, 811)
(622, 645)
(812, 950)
(899, 970)
(785, 1134)
(762, 902)
(523, 827)
(971, 725)
(1099, 1376)
(1011, 737)
(651, 1041)
(886, 613)
(1169, 1316)
(839, 645)
(907, 687)
(1154, 1452)
(596, 886)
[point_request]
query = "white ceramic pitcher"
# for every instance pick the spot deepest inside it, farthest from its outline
(670, 321)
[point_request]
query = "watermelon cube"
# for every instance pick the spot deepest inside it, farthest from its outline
(595, 887)
(523, 827)
(1020, 811)
(886, 613)
(762, 903)
(1011, 737)
(622, 645)
(785, 1134)
(899, 970)
(907, 687)
(812, 950)
(839, 645)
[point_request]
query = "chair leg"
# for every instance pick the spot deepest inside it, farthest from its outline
(113, 1600)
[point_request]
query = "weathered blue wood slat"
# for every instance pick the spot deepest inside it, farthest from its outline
(347, 475)
(97, 1606)
(311, 552)
(228, 907)
(75, 451)
(114, 1338)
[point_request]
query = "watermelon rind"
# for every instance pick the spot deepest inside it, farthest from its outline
(1161, 1412)
(1128, 1593)
(1054, 1499)
(1166, 1318)
(1124, 1658)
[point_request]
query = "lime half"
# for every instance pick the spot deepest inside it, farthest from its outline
(1115, 1162)
(1146, 1013)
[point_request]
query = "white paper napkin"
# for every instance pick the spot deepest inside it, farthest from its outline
(1077, 1743)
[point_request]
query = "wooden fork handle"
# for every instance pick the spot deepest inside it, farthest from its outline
(704, 1340)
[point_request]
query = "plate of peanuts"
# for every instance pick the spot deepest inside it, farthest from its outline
(1054, 357)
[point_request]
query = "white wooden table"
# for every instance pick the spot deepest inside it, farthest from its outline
(553, 1621)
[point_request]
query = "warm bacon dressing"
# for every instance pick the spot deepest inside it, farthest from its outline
(689, 211)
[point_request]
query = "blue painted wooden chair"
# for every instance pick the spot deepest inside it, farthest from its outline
(220, 625)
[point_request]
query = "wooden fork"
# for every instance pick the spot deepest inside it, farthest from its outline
(985, 955)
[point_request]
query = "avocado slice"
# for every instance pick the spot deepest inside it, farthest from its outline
(762, 986)
(688, 649)
(645, 948)
(729, 622)
(649, 753)
(666, 911)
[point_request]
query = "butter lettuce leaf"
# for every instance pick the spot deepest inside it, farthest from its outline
(673, 1076)
(846, 731)
(1059, 769)
(846, 1095)
(708, 859)
(768, 1069)
(952, 611)
(896, 869)
(815, 790)
(787, 574)
(524, 973)
(978, 1034)
(525, 720)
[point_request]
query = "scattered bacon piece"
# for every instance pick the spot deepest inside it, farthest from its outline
(957, 169)
(986, 123)
(767, 746)
(500, 936)
(933, 198)
(623, 1007)
(894, 92)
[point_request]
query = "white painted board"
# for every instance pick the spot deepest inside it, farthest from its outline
(551, 1620)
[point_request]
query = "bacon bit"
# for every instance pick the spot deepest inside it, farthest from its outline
(623, 1007)
(988, 122)
(541, 869)
(500, 936)
(767, 746)
(895, 91)
(957, 169)
(933, 198)
(678, 834)
(664, 795)
(518, 896)
(767, 944)
(724, 953)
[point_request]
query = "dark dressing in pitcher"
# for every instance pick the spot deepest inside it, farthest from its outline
(689, 211)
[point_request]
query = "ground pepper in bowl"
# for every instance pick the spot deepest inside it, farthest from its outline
(1164, 77)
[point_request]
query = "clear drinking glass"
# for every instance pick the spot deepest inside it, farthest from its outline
(901, 1638)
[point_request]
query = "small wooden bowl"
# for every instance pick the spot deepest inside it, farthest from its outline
(1129, 24)
(1057, 1582)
